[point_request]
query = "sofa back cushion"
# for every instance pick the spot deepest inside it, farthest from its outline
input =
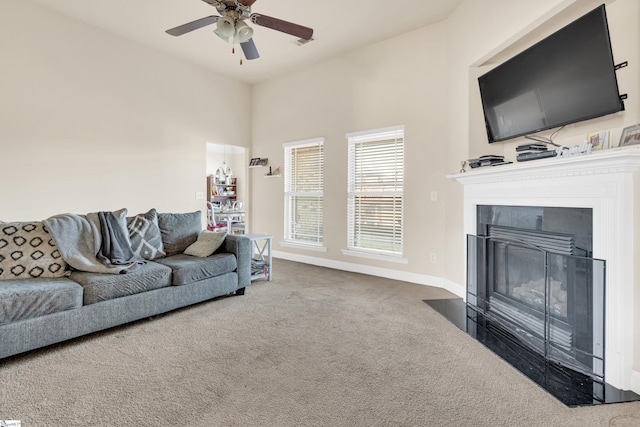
(27, 250)
(179, 230)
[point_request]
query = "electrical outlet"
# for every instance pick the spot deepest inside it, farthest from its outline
(199, 195)
(434, 196)
(433, 258)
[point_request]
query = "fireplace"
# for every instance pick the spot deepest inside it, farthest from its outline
(531, 271)
(605, 185)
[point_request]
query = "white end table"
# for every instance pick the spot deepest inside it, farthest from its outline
(261, 243)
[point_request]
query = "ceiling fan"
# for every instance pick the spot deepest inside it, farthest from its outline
(231, 25)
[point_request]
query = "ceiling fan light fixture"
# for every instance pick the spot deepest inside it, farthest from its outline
(232, 28)
(243, 32)
(225, 28)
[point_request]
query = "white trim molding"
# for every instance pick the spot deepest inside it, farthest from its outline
(296, 245)
(419, 279)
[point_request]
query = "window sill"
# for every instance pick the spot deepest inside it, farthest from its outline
(378, 257)
(303, 246)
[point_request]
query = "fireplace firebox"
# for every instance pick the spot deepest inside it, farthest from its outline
(531, 272)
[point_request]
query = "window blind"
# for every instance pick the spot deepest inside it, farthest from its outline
(376, 191)
(304, 182)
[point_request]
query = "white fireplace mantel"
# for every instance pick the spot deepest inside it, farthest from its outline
(605, 181)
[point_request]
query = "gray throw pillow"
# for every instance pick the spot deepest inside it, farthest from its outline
(179, 230)
(27, 250)
(208, 242)
(144, 233)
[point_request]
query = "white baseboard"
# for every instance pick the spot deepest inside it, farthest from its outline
(420, 279)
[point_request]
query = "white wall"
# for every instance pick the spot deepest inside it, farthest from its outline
(399, 81)
(89, 121)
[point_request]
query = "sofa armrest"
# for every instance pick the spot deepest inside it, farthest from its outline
(240, 246)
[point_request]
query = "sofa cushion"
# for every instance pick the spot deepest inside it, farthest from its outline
(101, 286)
(188, 269)
(27, 250)
(145, 237)
(179, 230)
(208, 242)
(26, 299)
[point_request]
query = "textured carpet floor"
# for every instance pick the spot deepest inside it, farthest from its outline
(315, 347)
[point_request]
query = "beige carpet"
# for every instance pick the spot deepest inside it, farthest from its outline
(315, 347)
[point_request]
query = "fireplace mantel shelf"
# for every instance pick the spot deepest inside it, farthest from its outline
(625, 159)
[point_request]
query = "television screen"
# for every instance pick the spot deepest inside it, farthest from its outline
(566, 78)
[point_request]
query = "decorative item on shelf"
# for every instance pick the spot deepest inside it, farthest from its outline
(258, 162)
(577, 150)
(274, 172)
(463, 166)
(630, 136)
(600, 140)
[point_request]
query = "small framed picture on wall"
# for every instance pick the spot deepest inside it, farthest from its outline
(255, 161)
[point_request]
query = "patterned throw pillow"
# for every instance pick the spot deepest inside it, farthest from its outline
(207, 243)
(144, 233)
(28, 251)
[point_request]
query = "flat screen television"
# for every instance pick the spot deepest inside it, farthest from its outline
(568, 77)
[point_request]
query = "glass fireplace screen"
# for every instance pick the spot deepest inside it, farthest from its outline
(552, 302)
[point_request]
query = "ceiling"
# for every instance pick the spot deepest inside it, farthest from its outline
(339, 26)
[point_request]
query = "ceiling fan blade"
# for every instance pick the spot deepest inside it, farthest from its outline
(249, 49)
(190, 26)
(283, 26)
(247, 2)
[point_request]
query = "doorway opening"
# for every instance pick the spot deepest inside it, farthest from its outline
(226, 178)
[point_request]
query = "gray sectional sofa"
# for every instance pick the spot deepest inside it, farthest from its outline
(72, 275)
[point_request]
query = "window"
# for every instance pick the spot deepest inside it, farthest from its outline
(303, 188)
(375, 191)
